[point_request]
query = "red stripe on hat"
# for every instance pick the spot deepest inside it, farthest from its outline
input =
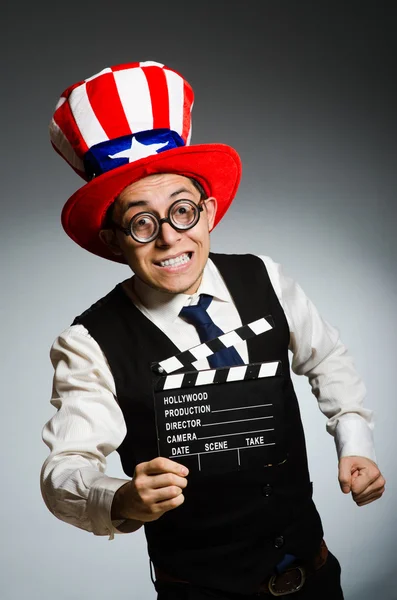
(64, 118)
(105, 102)
(158, 89)
(188, 97)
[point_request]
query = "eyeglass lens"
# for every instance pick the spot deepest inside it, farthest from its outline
(182, 215)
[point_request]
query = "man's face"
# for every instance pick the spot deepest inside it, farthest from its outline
(187, 251)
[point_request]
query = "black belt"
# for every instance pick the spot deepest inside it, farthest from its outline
(290, 581)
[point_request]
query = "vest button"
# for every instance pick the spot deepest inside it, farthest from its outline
(279, 541)
(267, 490)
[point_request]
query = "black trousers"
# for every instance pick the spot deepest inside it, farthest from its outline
(323, 584)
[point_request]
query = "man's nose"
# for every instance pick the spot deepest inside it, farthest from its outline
(168, 235)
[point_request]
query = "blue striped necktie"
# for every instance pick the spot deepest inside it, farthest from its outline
(207, 330)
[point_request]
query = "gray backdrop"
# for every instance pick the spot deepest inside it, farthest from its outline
(305, 92)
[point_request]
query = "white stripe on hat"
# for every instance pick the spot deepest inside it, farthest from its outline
(189, 135)
(134, 94)
(176, 98)
(150, 63)
(63, 145)
(107, 70)
(86, 120)
(61, 101)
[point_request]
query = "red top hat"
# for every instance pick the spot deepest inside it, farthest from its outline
(123, 124)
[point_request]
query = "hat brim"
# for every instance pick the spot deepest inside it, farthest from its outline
(217, 167)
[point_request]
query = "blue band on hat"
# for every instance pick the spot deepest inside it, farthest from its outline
(109, 155)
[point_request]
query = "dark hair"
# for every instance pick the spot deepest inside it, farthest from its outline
(108, 219)
(199, 187)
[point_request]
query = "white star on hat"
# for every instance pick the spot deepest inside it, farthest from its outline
(138, 150)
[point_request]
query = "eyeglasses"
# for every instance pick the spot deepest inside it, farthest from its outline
(144, 227)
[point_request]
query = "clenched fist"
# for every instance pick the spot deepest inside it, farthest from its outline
(361, 477)
(155, 488)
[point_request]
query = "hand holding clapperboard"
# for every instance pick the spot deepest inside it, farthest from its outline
(224, 419)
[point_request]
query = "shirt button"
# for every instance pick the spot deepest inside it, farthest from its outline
(279, 541)
(267, 490)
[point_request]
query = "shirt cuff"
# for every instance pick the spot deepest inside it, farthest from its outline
(99, 505)
(353, 437)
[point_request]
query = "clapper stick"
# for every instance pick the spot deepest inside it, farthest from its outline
(226, 340)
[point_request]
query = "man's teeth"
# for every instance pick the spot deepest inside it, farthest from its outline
(179, 260)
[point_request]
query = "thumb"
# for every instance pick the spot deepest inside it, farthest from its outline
(345, 476)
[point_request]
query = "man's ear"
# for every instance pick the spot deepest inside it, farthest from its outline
(109, 238)
(211, 206)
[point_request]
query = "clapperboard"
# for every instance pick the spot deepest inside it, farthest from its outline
(224, 419)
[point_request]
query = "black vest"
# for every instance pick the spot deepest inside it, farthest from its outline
(232, 528)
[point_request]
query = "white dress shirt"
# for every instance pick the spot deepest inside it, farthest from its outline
(89, 423)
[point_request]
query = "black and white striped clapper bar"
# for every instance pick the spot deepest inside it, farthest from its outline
(224, 419)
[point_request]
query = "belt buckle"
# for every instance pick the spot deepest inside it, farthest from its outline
(285, 592)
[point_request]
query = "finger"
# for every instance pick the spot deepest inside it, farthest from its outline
(167, 493)
(164, 465)
(372, 498)
(377, 485)
(345, 477)
(170, 504)
(366, 482)
(360, 485)
(371, 490)
(167, 479)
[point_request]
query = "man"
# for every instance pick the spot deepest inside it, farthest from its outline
(240, 529)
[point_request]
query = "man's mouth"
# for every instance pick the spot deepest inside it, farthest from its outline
(178, 260)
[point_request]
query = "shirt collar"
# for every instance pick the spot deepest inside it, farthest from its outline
(168, 306)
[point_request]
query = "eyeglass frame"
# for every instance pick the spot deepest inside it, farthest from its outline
(128, 230)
